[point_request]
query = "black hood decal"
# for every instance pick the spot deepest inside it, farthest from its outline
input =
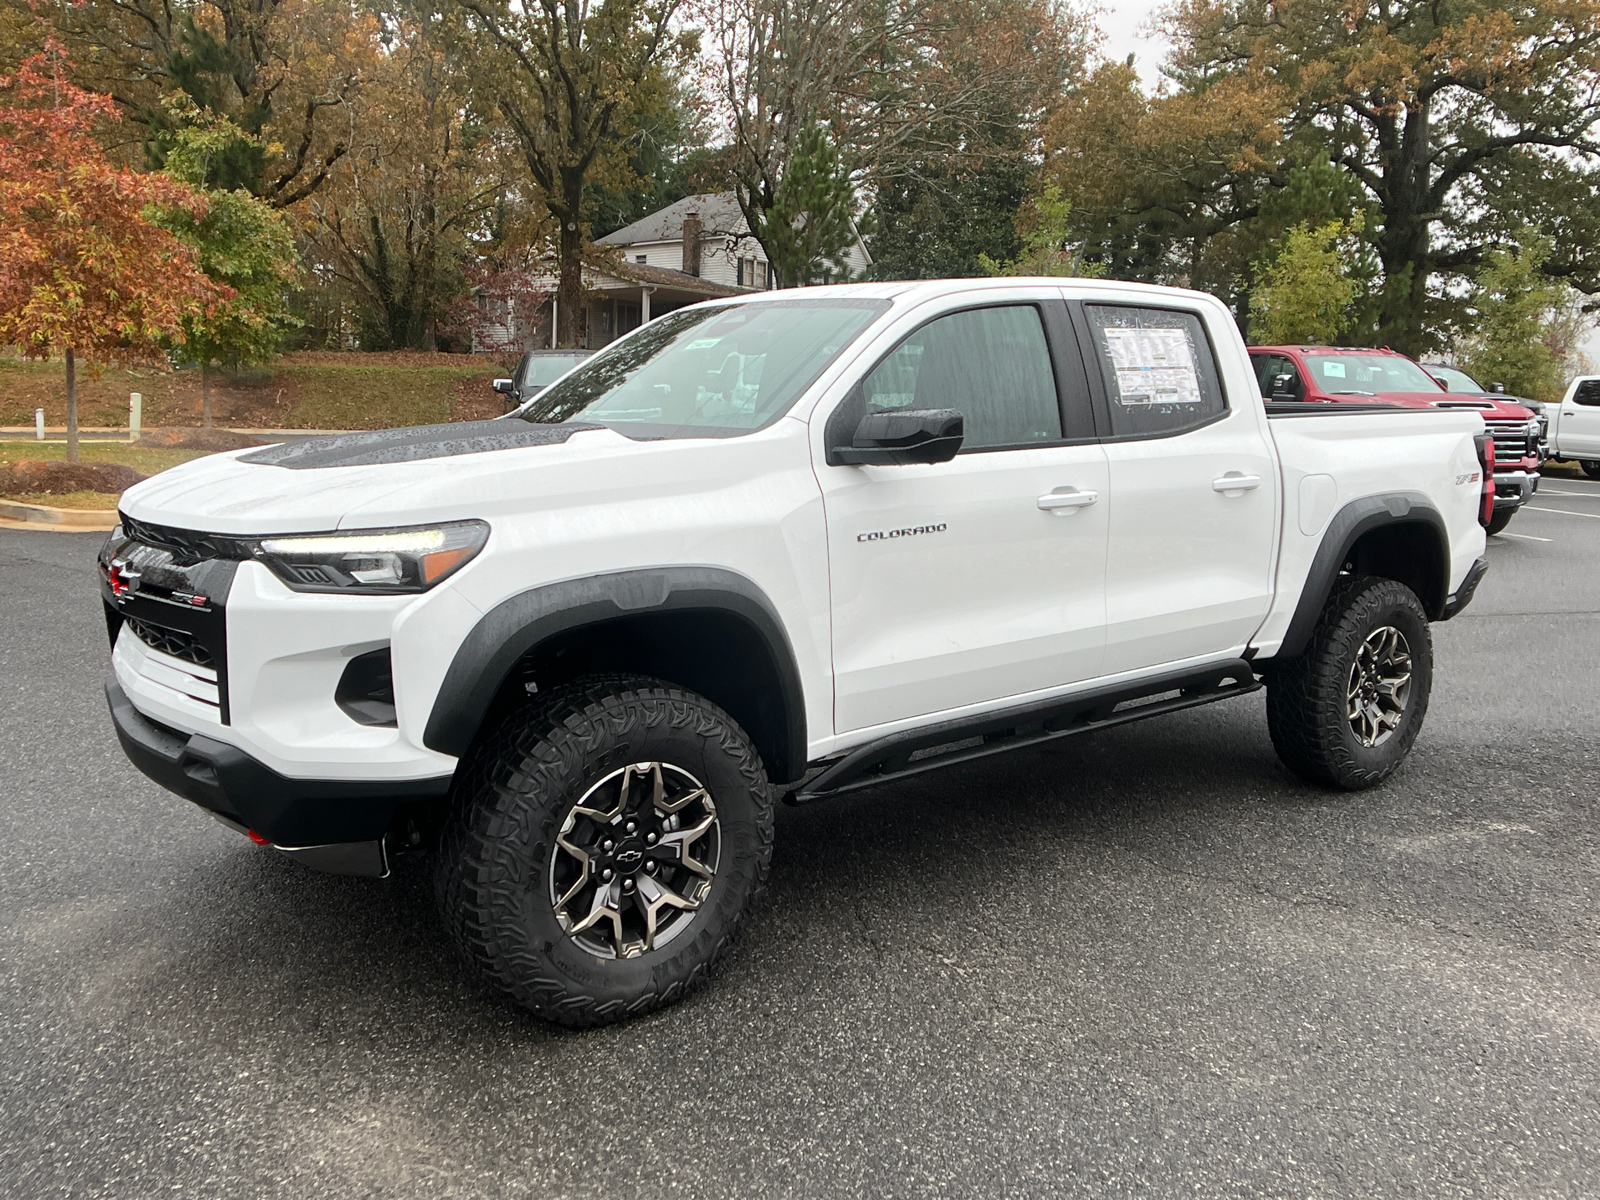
(411, 444)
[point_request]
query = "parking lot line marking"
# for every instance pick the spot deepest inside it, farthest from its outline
(1564, 512)
(1585, 495)
(1527, 537)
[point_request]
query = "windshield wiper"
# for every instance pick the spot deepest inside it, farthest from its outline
(1353, 392)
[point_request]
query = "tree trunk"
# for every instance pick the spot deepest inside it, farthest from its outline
(569, 290)
(205, 395)
(72, 406)
(1403, 250)
(1405, 246)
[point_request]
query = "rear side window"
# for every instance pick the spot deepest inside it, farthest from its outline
(992, 365)
(1588, 393)
(1159, 374)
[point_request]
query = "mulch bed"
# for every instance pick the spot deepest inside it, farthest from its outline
(32, 477)
(177, 437)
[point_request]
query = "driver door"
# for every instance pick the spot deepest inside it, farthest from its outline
(980, 579)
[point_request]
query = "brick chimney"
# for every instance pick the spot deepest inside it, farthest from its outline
(692, 229)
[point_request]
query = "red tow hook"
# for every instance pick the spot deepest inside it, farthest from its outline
(257, 838)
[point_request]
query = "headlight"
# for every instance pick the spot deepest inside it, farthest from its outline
(375, 562)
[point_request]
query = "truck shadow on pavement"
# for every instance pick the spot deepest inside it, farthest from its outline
(917, 854)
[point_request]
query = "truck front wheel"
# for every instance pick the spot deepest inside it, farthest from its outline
(1591, 468)
(1502, 518)
(1345, 711)
(604, 848)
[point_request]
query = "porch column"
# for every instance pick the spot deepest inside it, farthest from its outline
(644, 305)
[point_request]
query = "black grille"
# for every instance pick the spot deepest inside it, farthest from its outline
(187, 546)
(175, 642)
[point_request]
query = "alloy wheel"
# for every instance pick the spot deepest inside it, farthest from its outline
(634, 860)
(1380, 681)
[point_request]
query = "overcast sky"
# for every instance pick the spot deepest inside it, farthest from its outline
(1126, 29)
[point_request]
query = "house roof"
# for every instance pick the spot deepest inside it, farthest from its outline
(719, 213)
(668, 278)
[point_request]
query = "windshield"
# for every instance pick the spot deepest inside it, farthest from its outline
(543, 369)
(1368, 374)
(1456, 381)
(707, 371)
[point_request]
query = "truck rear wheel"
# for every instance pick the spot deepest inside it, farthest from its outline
(604, 848)
(1345, 712)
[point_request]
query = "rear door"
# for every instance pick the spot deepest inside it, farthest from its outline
(1193, 490)
(961, 583)
(1579, 431)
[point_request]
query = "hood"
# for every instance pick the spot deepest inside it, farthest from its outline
(317, 483)
(411, 444)
(1486, 406)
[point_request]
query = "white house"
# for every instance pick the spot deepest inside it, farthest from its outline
(708, 237)
(692, 250)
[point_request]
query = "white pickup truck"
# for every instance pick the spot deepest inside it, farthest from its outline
(1575, 425)
(786, 545)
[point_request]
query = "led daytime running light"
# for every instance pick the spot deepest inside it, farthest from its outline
(411, 541)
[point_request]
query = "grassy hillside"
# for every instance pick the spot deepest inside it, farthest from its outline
(307, 390)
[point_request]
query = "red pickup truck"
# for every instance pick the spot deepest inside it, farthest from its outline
(1338, 374)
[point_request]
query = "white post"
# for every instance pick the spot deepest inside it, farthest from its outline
(644, 305)
(135, 415)
(38, 423)
(552, 322)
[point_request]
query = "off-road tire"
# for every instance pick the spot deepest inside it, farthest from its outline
(1591, 468)
(1500, 520)
(1307, 697)
(492, 880)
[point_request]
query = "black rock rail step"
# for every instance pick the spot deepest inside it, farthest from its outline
(902, 755)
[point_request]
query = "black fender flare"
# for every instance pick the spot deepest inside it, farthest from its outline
(521, 622)
(1347, 527)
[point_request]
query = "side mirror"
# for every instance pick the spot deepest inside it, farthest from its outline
(1283, 387)
(1498, 388)
(506, 387)
(1444, 383)
(903, 437)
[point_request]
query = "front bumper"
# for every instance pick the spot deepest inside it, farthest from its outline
(1513, 489)
(335, 825)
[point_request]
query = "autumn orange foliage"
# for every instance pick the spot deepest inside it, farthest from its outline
(82, 270)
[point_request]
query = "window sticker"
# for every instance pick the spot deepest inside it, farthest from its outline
(1153, 366)
(1333, 370)
(702, 343)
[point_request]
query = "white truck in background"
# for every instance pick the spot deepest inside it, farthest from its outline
(794, 544)
(1575, 425)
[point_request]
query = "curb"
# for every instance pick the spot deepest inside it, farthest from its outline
(62, 520)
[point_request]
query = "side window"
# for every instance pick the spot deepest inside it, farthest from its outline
(992, 365)
(1160, 378)
(1270, 368)
(1588, 393)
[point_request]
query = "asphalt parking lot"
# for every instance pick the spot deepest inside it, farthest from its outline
(1141, 963)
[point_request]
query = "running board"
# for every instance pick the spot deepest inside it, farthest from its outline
(915, 751)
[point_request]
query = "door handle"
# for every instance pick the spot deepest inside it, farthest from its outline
(1064, 500)
(1233, 481)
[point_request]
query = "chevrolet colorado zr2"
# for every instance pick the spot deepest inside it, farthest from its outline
(788, 545)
